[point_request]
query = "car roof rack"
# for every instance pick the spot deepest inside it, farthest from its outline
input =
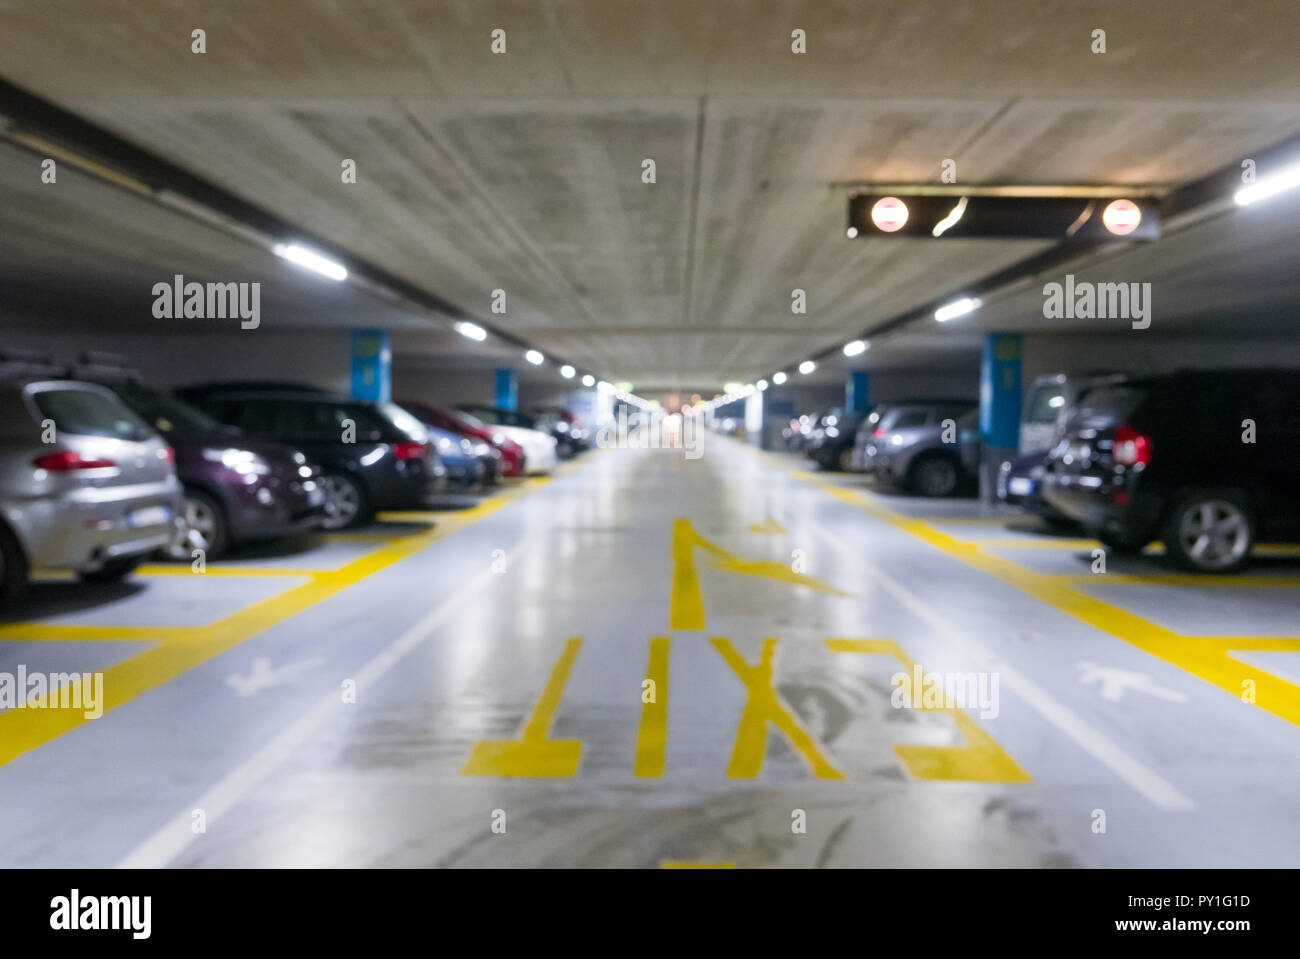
(101, 367)
(28, 364)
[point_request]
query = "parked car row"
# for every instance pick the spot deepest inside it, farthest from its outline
(929, 446)
(98, 470)
(1204, 461)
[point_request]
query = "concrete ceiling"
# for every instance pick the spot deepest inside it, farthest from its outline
(522, 171)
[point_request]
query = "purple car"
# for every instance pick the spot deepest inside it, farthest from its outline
(237, 488)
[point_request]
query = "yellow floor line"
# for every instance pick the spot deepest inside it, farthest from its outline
(1205, 657)
(183, 569)
(181, 648)
(652, 735)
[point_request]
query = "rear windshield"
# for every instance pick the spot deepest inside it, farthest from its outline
(404, 421)
(1107, 406)
(89, 413)
(165, 412)
(1045, 404)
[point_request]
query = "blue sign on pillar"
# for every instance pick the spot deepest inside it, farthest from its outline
(857, 395)
(372, 362)
(1000, 389)
(507, 390)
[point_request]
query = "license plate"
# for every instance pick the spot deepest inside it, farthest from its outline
(149, 516)
(1020, 486)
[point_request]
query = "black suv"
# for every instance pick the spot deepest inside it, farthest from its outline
(373, 456)
(1207, 461)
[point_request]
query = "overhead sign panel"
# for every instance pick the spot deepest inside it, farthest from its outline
(1087, 218)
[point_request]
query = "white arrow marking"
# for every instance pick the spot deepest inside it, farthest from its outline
(1114, 682)
(261, 676)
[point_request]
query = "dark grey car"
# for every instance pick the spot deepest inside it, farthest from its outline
(919, 445)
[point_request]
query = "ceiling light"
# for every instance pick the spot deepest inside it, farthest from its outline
(852, 232)
(761, 384)
(953, 216)
(533, 357)
(472, 330)
(1285, 179)
(950, 311)
(807, 366)
(1121, 217)
(588, 380)
(311, 260)
(889, 214)
(778, 378)
(567, 371)
(854, 348)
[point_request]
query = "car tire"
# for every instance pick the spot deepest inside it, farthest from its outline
(206, 526)
(13, 568)
(1210, 531)
(112, 571)
(934, 475)
(346, 504)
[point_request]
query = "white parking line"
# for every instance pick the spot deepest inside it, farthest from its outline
(177, 834)
(1149, 784)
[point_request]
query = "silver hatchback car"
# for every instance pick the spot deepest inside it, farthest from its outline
(85, 484)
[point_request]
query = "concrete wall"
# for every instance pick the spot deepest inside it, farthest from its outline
(1141, 352)
(319, 357)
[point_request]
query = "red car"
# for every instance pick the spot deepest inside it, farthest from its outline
(462, 424)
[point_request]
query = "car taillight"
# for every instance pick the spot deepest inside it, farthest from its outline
(67, 460)
(878, 432)
(169, 455)
(1131, 448)
(411, 450)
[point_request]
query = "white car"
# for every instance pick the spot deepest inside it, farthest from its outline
(539, 449)
(540, 455)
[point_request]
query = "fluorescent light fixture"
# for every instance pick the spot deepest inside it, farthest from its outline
(1287, 178)
(311, 260)
(778, 378)
(807, 366)
(950, 311)
(588, 380)
(951, 219)
(472, 330)
(730, 388)
(533, 357)
(567, 371)
(854, 348)
(761, 384)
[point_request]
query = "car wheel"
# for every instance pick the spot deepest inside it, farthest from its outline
(345, 501)
(934, 476)
(1210, 531)
(204, 526)
(112, 571)
(846, 461)
(13, 568)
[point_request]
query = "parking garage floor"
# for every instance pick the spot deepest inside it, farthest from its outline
(651, 661)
